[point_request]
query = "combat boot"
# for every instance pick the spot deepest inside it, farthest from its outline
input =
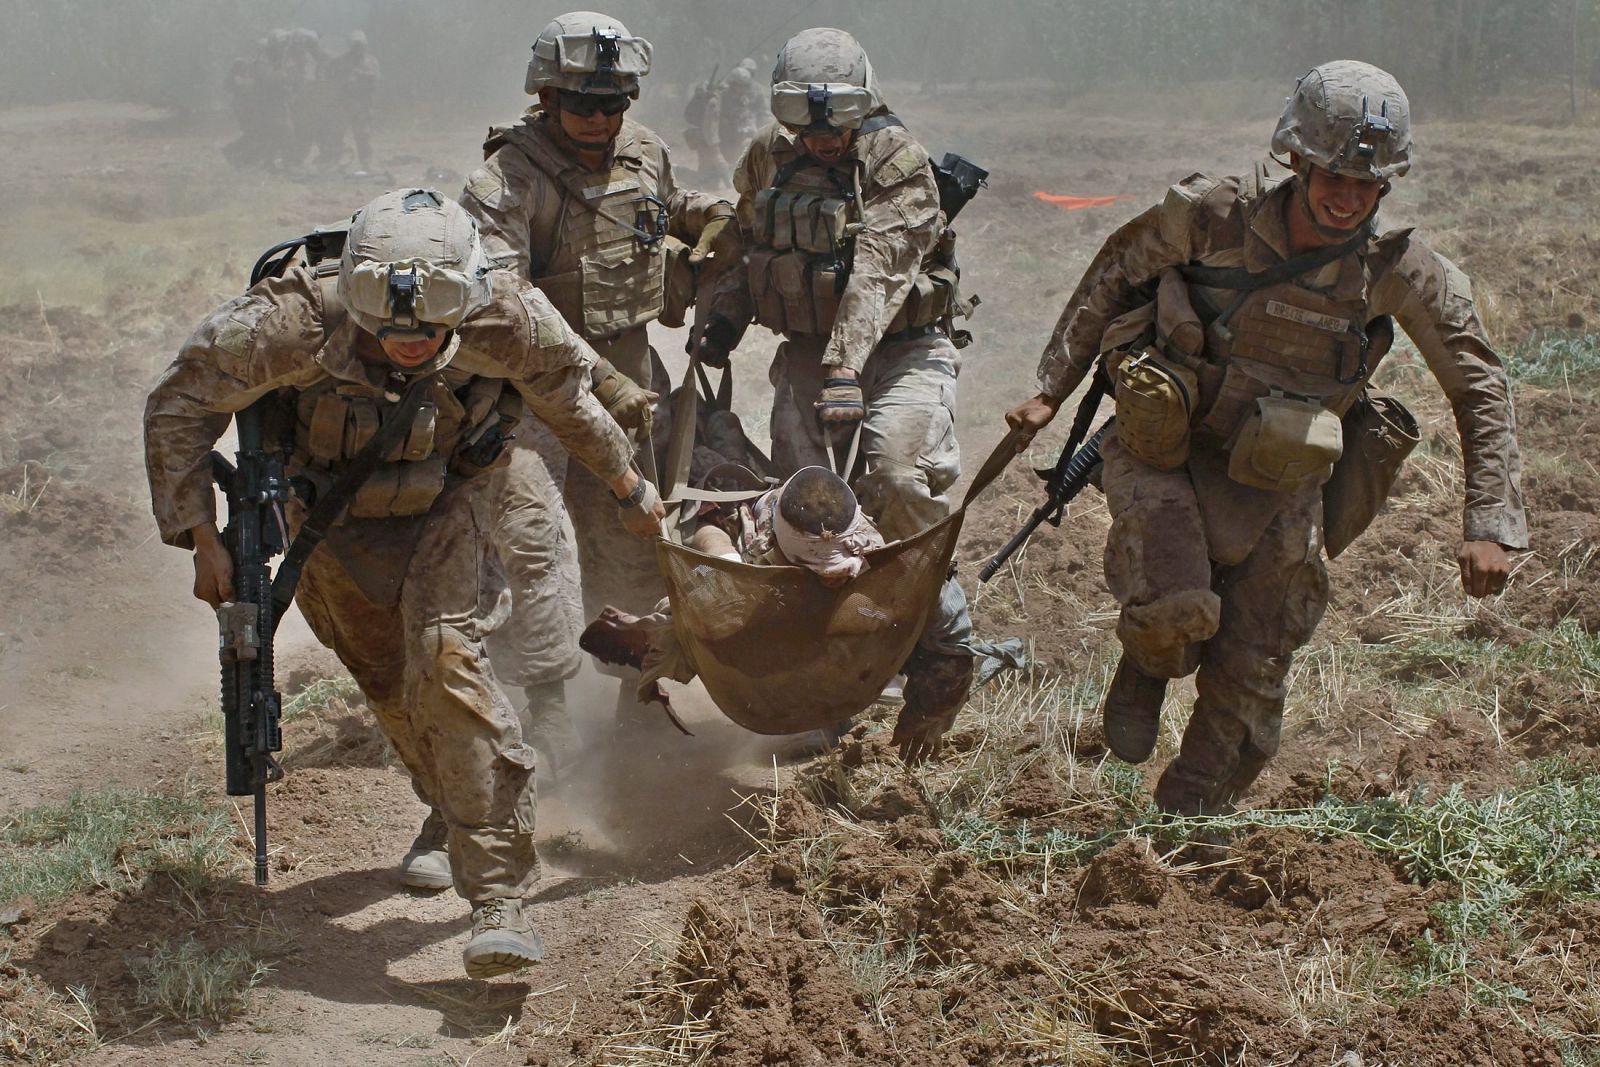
(502, 939)
(427, 865)
(1132, 712)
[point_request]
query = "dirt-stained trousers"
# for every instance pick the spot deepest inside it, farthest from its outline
(422, 667)
(1239, 624)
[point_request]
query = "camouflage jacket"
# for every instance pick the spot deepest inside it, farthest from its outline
(1212, 222)
(279, 335)
(900, 221)
(518, 206)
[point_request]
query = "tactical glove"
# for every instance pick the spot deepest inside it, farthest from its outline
(719, 239)
(841, 400)
(622, 397)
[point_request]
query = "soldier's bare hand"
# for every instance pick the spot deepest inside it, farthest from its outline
(1485, 566)
(213, 567)
(641, 509)
(1031, 416)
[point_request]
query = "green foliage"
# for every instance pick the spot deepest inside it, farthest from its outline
(113, 839)
(1554, 358)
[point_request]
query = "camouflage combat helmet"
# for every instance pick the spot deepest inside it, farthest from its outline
(1350, 118)
(823, 79)
(412, 264)
(817, 503)
(587, 52)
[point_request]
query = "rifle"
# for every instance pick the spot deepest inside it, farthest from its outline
(1063, 481)
(256, 491)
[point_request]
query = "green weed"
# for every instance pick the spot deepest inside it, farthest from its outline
(1553, 358)
(114, 839)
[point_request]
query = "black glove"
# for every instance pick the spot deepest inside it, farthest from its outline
(718, 340)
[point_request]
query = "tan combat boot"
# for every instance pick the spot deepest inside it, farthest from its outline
(427, 865)
(502, 939)
(1132, 712)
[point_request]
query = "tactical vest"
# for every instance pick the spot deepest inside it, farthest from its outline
(584, 256)
(1305, 338)
(802, 236)
(454, 431)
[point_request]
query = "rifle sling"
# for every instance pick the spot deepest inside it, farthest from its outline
(1241, 279)
(330, 506)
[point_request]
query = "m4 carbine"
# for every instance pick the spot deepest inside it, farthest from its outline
(1064, 481)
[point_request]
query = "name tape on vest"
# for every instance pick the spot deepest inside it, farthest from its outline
(1331, 323)
(621, 185)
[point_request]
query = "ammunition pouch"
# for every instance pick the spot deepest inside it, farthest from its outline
(1379, 434)
(1155, 401)
(1286, 443)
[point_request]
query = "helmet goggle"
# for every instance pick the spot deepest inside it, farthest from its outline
(413, 298)
(834, 105)
(603, 55)
(586, 104)
(1361, 149)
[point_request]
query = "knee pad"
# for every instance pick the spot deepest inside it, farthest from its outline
(1163, 636)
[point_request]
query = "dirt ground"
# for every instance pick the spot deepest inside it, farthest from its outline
(681, 867)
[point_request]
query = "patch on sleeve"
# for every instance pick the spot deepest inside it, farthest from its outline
(484, 186)
(902, 165)
(550, 331)
(237, 333)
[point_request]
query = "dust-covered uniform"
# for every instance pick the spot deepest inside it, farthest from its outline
(406, 587)
(1227, 577)
(906, 362)
(546, 217)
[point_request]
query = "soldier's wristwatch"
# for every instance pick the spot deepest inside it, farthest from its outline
(635, 495)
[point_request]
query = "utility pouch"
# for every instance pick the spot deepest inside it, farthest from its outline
(1380, 433)
(764, 294)
(1155, 400)
(396, 489)
(678, 284)
(1287, 442)
(825, 288)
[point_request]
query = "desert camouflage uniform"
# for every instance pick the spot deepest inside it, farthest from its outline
(406, 601)
(609, 286)
(1227, 578)
(908, 378)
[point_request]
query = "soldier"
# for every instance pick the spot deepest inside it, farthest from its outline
(356, 73)
(580, 199)
(850, 260)
(741, 111)
(404, 588)
(1276, 298)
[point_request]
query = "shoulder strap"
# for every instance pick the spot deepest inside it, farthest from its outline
(874, 123)
(330, 505)
(1239, 278)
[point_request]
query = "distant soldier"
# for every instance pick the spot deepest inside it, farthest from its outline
(356, 75)
(1241, 321)
(700, 116)
(741, 111)
(405, 588)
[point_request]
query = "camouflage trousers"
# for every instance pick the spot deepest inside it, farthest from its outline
(908, 439)
(1238, 624)
(614, 566)
(538, 643)
(422, 667)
